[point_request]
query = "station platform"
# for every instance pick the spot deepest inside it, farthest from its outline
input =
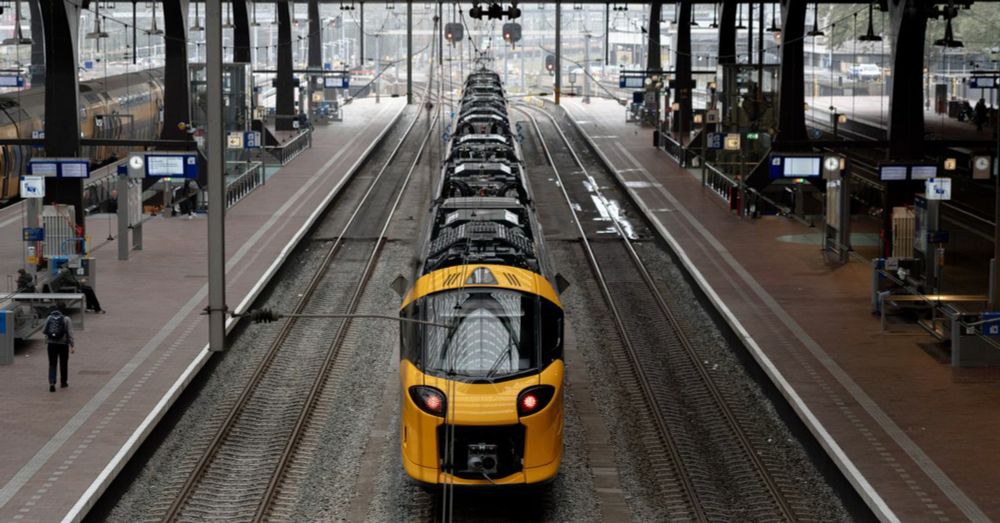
(916, 437)
(873, 111)
(60, 450)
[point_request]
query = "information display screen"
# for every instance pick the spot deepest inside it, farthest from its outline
(923, 172)
(164, 165)
(10, 81)
(75, 170)
(43, 168)
(892, 173)
(801, 166)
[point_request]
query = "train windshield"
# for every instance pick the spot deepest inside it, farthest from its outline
(493, 334)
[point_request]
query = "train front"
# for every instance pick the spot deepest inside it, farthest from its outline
(482, 377)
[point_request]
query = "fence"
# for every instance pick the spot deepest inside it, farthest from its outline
(287, 151)
(251, 176)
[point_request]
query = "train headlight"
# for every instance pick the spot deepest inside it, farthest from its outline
(534, 399)
(429, 399)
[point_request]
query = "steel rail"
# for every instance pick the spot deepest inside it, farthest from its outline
(658, 420)
(787, 512)
(206, 459)
(341, 332)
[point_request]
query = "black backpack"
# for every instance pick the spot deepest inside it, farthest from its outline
(55, 327)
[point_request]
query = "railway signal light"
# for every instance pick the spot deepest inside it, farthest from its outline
(511, 32)
(550, 63)
(453, 32)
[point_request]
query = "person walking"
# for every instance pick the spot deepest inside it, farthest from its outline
(59, 337)
(980, 115)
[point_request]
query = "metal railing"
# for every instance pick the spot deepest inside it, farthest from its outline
(250, 176)
(286, 152)
(727, 187)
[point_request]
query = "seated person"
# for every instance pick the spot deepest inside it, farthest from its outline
(25, 283)
(66, 278)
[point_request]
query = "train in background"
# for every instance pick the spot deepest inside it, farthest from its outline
(126, 106)
(482, 369)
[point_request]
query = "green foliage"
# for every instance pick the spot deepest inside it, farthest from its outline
(976, 27)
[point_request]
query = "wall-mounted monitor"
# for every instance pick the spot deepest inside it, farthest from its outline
(923, 172)
(892, 173)
(802, 167)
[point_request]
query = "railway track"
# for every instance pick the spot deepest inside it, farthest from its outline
(703, 452)
(252, 466)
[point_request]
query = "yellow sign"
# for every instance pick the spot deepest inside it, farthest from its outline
(235, 140)
(732, 142)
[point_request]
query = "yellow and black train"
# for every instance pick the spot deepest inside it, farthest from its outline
(482, 371)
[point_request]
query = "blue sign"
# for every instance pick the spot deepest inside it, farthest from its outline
(3, 321)
(9, 80)
(992, 328)
(334, 82)
(327, 66)
(716, 140)
(251, 140)
(631, 81)
(983, 82)
(33, 234)
(58, 168)
(88, 64)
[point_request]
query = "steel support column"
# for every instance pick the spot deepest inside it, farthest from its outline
(361, 34)
(791, 111)
(176, 86)
(727, 45)
(285, 81)
(558, 85)
(315, 36)
(727, 32)
(607, 25)
(216, 177)
(241, 33)
(37, 45)
(653, 37)
(62, 93)
(683, 83)
(906, 105)
(409, 52)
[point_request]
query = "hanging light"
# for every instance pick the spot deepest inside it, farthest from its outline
(774, 23)
(949, 35)
(229, 19)
(715, 17)
(197, 20)
(870, 36)
(739, 23)
(815, 30)
(949, 38)
(18, 38)
(153, 30)
(95, 34)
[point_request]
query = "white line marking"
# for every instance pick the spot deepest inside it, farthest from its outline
(871, 496)
(52, 446)
(926, 464)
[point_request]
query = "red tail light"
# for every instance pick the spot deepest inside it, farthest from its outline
(429, 399)
(534, 399)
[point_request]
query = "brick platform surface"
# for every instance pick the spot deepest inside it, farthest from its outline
(924, 436)
(56, 444)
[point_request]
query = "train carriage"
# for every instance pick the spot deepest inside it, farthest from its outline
(482, 368)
